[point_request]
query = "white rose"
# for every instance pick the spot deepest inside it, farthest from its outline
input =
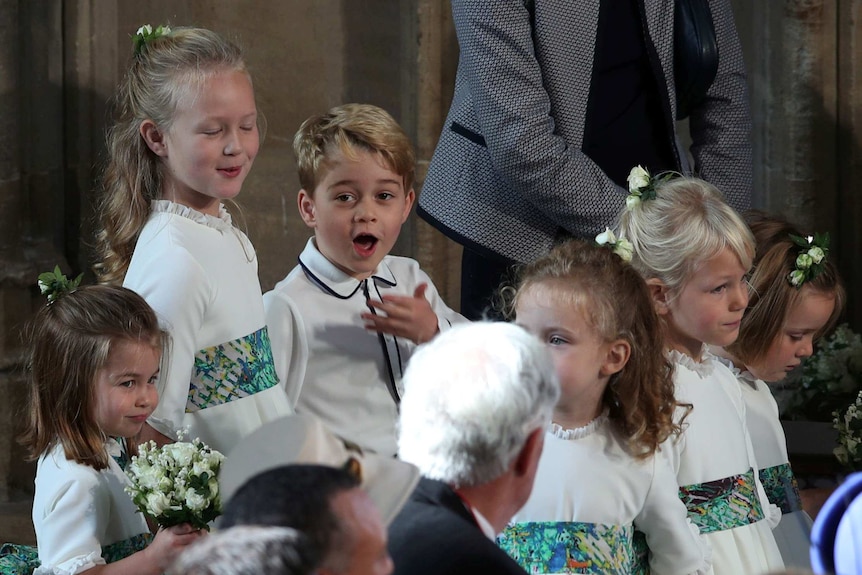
(816, 254)
(632, 202)
(797, 277)
(804, 261)
(213, 487)
(181, 453)
(150, 477)
(145, 29)
(157, 503)
(624, 249)
(606, 237)
(194, 501)
(638, 178)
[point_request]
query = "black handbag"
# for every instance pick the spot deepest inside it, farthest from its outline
(695, 54)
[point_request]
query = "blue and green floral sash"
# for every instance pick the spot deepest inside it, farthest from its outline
(724, 503)
(232, 370)
(574, 547)
(24, 559)
(781, 487)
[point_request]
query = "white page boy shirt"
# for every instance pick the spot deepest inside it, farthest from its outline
(331, 366)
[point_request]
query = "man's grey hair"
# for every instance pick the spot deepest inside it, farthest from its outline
(248, 550)
(473, 395)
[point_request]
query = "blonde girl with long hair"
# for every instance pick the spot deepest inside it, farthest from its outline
(182, 145)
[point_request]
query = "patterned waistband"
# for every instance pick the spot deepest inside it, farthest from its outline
(231, 371)
(575, 547)
(724, 503)
(781, 487)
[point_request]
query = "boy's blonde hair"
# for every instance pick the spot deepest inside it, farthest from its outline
(772, 297)
(687, 223)
(165, 71)
(614, 299)
(348, 129)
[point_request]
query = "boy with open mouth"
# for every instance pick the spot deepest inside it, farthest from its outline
(346, 319)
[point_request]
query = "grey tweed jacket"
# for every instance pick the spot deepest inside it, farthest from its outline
(508, 176)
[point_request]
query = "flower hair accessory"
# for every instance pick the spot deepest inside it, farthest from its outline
(622, 247)
(54, 284)
(642, 186)
(812, 256)
(146, 34)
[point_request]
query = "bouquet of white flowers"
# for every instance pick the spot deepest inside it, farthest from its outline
(828, 380)
(176, 483)
(848, 422)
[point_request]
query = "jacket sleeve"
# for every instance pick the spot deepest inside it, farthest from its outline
(514, 112)
(721, 126)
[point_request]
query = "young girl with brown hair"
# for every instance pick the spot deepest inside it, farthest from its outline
(94, 362)
(793, 301)
(600, 476)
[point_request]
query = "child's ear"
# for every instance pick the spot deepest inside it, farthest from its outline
(617, 357)
(307, 210)
(153, 137)
(660, 295)
(408, 204)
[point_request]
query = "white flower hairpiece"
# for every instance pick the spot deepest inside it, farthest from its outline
(642, 186)
(145, 34)
(55, 284)
(622, 247)
(811, 258)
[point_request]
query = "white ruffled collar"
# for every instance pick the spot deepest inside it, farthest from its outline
(221, 223)
(742, 375)
(579, 432)
(703, 368)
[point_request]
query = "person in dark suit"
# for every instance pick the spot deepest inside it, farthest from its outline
(478, 399)
(554, 103)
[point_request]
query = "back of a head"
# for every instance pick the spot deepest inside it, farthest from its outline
(69, 341)
(473, 396)
(295, 496)
(166, 71)
(248, 550)
(687, 223)
(772, 295)
(347, 129)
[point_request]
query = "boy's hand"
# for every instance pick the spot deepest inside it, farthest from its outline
(410, 317)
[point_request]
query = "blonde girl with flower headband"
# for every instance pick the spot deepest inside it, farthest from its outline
(782, 322)
(601, 484)
(694, 252)
(184, 140)
(93, 366)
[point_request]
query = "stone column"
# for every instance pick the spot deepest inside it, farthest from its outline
(437, 59)
(803, 62)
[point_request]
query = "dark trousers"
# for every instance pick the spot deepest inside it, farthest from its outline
(481, 279)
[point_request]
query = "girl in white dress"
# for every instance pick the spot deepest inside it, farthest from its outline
(184, 142)
(778, 330)
(695, 251)
(94, 363)
(600, 486)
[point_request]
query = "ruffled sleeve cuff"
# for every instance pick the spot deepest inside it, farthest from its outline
(705, 549)
(72, 566)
